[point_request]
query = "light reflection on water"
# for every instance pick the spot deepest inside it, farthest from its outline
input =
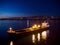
(5, 24)
(35, 38)
(38, 36)
(44, 35)
(11, 43)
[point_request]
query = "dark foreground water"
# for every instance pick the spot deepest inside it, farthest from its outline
(30, 39)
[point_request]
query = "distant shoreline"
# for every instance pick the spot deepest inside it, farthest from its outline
(32, 18)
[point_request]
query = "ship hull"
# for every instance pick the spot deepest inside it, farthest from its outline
(24, 33)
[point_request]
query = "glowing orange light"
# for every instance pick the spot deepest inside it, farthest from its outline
(39, 26)
(36, 26)
(11, 30)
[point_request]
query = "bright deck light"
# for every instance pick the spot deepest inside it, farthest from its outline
(36, 26)
(39, 26)
(11, 30)
(45, 24)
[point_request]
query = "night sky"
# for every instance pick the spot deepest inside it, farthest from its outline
(29, 7)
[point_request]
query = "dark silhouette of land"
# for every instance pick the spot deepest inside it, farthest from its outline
(31, 17)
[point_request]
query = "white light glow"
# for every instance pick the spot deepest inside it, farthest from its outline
(33, 38)
(44, 35)
(11, 43)
(38, 36)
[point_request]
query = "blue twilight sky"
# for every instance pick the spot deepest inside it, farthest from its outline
(29, 7)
